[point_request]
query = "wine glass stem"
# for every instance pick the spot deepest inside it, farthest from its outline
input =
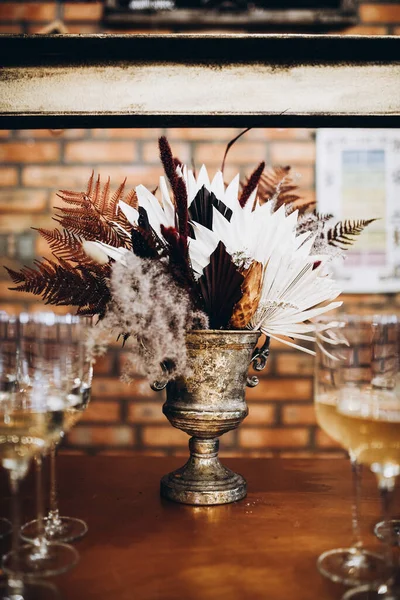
(40, 542)
(14, 581)
(356, 470)
(386, 486)
(53, 518)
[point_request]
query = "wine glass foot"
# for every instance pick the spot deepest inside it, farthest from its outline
(5, 528)
(365, 592)
(351, 566)
(33, 561)
(388, 531)
(65, 529)
(33, 590)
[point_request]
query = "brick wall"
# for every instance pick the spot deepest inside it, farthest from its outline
(34, 164)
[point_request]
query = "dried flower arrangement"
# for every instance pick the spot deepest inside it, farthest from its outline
(194, 254)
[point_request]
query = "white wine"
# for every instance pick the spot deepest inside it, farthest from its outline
(74, 412)
(372, 421)
(24, 433)
(327, 416)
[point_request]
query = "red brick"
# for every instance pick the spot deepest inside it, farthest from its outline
(281, 389)
(8, 176)
(151, 153)
(260, 414)
(292, 154)
(294, 363)
(9, 223)
(364, 299)
(103, 364)
(83, 11)
(10, 295)
(366, 30)
(27, 11)
(292, 134)
(242, 153)
(202, 134)
(130, 134)
(380, 13)
(164, 436)
(295, 414)
(104, 387)
(4, 133)
(42, 249)
(93, 152)
(135, 174)
(146, 412)
(273, 438)
(29, 152)
(22, 200)
(228, 439)
(323, 440)
(106, 412)
(57, 177)
(53, 134)
(83, 435)
(396, 31)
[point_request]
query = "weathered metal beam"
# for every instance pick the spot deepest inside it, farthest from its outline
(151, 80)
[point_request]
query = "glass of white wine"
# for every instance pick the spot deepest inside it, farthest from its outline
(60, 528)
(44, 379)
(369, 407)
(27, 421)
(352, 565)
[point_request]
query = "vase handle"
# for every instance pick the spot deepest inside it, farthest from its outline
(160, 384)
(258, 361)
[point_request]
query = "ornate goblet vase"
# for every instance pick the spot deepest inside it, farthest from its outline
(206, 404)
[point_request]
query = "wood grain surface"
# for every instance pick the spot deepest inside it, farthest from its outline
(140, 547)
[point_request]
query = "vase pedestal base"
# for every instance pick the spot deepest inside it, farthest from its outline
(203, 480)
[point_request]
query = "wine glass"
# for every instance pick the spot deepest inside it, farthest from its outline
(369, 407)
(61, 528)
(44, 380)
(25, 425)
(352, 565)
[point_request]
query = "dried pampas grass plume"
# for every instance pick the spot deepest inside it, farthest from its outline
(152, 313)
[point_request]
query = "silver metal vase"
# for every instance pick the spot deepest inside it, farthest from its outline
(207, 404)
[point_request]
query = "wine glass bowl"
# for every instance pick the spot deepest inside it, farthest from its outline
(351, 565)
(58, 528)
(370, 408)
(43, 377)
(29, 420)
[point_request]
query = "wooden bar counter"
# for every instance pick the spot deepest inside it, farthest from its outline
(140, 547)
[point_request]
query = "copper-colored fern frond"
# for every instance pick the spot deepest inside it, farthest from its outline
(277, 185)
(65, 245)
(93, 215)
(65, 285)
(344, 232)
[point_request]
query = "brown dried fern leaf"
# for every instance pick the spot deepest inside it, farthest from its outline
(344, 232)
(65, 245)
(65, 285)
(94, 215)
(277, 185)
